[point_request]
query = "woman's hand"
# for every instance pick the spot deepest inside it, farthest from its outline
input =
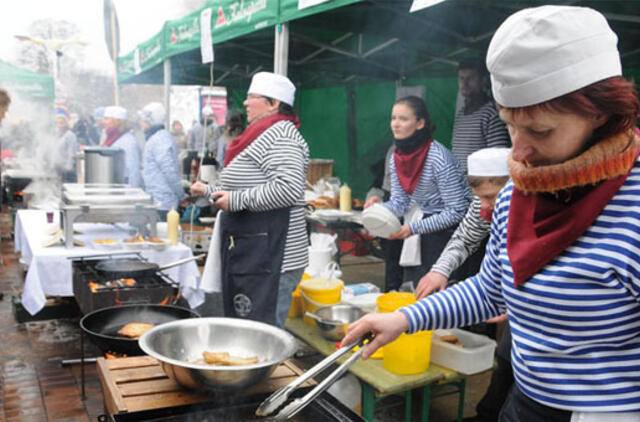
(497, 319)
(373, 200)
(221, 199)
(385, 328)
(403, 233)
(198, 188)
(430, 282)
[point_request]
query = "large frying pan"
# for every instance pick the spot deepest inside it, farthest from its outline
(132, 268)
(103, 324)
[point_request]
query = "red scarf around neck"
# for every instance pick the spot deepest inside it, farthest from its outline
(255, 129)
(540, 228)
(113, 133)
(409, 166)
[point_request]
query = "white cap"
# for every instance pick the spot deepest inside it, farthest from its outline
(273, 86)
(153, 113)
(488, 162)
(116, 112)
(542, 53)
(207, 111)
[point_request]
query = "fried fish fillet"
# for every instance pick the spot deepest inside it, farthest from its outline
(225, 359)
(134, 329)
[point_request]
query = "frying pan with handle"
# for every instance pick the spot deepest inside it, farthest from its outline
(132, 268)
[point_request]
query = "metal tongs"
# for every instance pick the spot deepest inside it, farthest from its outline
(277, 399)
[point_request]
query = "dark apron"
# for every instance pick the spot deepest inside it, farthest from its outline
(252, 251)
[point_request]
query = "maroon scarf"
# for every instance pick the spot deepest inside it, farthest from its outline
(113, 133)
(486, 214)
(255, 129)
(410, 165)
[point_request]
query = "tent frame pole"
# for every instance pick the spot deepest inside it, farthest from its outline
(281, 49)
(167, 92)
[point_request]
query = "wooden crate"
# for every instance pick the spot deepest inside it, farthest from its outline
(139, 383)
(319, 168)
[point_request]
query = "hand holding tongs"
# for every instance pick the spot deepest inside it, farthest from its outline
(277, 399)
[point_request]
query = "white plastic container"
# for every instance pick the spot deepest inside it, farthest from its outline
(366, 302)
(476, 355)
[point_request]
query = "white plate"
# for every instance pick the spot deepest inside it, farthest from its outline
(159, 246)
(207, 220)
(380, 221)
(331, 214)
(106, 246)
(135, 246)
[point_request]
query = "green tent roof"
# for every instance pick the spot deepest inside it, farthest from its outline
(29, 84)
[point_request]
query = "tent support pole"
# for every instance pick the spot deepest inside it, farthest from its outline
(167, 91)
(281, 49)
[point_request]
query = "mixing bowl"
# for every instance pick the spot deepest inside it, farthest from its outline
(178, 346)
(333, 320)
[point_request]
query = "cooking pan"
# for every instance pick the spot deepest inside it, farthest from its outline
(103, 324)
(132, 268)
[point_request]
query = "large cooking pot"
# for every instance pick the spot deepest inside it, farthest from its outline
(178, 345)
(103, 324)
(104, 165)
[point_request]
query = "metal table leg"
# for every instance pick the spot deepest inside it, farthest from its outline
(462, 387)
(426, 403)
(368, 401)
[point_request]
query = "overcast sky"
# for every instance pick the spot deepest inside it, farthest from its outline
(139, 20)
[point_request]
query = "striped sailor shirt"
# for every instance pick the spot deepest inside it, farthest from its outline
(474, 131)
(442, 193)
(576, 323)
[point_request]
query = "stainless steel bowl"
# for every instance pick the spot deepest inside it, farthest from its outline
(335, 319)
(177, 345)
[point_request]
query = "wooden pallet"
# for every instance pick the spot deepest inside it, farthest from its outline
(139, 383)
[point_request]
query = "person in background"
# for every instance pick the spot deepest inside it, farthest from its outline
(200, 135)
(160, 171)
(562, 258)
(477, 124)
(487, 175)
(381, 191)
(81, 130)
(263, 230)
(177, 131)
(5, 102)
(423, 171)
(234, 125)
(96, 131)
(120, 136)
(67, 147)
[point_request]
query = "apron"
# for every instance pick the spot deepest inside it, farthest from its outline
(252, 252)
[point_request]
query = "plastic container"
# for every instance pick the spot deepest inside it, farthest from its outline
(173, 219)
(356, 289)
(345, 198)
(347, 390)
(476, 354)
(367, 302)
(296, 307)
(410, 353)
(318, 292)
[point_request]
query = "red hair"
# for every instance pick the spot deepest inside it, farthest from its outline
(615, 97)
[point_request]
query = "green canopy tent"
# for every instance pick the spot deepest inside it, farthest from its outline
(30, 85)
(347, 58)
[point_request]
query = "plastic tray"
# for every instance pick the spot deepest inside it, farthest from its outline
(476, 355)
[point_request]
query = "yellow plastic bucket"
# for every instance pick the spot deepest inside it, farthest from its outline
(295, 310)
(409, 353)
(318, 292)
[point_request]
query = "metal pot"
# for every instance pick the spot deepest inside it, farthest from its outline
(104, 165)
(333, 320)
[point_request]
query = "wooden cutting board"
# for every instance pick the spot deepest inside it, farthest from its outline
(138, 383)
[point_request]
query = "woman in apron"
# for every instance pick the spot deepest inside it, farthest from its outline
(423, 172)
(564, 251)
(262, 227)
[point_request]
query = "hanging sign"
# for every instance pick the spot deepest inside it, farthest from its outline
(303, 4)
(423, 4)
(206, 44)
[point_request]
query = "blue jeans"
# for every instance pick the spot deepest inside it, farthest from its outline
(288, 282)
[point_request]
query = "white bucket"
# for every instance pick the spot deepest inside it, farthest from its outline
(319, 258)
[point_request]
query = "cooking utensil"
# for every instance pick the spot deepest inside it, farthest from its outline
(103, 324)
(178, 345)
(333, 320)
(132, 268)
(277, 399)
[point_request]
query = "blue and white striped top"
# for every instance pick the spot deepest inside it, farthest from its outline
(442, 192)
(576, 323)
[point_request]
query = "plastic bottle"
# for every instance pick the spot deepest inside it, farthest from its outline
(345, 198)
(172, 226)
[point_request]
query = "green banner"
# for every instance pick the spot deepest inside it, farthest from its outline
(29, 84)
(290, 9)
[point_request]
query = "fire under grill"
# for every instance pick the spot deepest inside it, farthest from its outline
(92, 290)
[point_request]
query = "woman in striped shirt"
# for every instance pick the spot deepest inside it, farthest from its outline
(425, 172)
(263, 230)
(564, 252)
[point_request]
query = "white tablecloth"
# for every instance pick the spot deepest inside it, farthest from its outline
(49, 270)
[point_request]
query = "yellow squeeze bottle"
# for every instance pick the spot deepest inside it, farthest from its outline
(173, 219)
(345, 198)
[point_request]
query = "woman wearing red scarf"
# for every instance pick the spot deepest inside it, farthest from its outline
(425, 173)
(563, 258)
(263, 237)
(119, 136)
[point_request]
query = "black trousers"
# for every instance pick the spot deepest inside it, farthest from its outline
(392, 268)
(520, 408)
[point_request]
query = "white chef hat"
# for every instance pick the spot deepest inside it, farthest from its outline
(542, 53)
(273, 86)
(152, 113)
(116, 112)
(488, 162)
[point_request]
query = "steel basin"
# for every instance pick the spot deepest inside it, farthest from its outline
(176, 345)
(335, 319)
